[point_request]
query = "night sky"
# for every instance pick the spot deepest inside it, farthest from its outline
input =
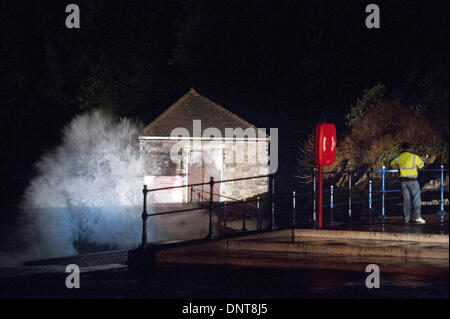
(284, 64)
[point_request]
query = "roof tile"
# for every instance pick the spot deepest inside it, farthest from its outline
(194, 106)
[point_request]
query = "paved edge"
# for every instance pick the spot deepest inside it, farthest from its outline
(276, 263)
(198, 253)
(347, 249)
(344, 234)
(348, 234)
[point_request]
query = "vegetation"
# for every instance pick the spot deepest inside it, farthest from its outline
(369, 100)
(377, 126)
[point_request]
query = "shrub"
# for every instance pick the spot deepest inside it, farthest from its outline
(377, 128)
(378, 135)
(369, 100)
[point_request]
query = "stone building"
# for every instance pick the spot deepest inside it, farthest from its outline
(195, 139)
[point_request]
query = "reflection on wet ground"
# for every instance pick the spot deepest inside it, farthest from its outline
(218, 281)
(395, 224)
(224, 282)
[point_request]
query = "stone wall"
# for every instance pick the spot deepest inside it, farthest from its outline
(157, 158)
(250, 167)
(240, 159)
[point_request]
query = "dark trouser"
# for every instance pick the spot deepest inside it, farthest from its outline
(411, 189)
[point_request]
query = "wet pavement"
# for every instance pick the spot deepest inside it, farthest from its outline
(225, 282)
(261, 274)
(395, 224)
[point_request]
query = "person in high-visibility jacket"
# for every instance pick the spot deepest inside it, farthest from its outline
(407, 164)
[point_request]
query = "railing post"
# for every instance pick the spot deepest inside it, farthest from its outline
(320, 198)
(225, 214)
(192, 193)
(370, 198)
(294, 219)
(211, 187)
(144, 218)
(441, 201)
(258, 215)
(383, 190)
(225, 210)
(331, 204)
(244, 228)
(274, 226)
(350, 195)
(314, 195)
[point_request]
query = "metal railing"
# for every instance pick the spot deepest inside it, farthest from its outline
(284, 199)
(197, 194)
(383, 189)
(349, 190)
(210, 204)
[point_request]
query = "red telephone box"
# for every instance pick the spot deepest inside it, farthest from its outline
(325, 153)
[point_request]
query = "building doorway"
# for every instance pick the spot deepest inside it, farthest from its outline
(202, 165)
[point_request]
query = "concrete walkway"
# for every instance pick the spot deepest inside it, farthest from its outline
(400, 253)
(395, 224)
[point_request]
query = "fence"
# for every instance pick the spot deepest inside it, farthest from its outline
(210, 204)
(383, 190)
(371, 198)
(198, 197)
(288, 202)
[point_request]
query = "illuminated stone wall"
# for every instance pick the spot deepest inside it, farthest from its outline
(238, 160)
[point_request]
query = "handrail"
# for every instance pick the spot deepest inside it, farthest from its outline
(211, 183)
(419, 169)
(210, 204)
(224, 196)
(383, 190)
(217, 204)
(217, 194)
(203, 197)
(207, 183)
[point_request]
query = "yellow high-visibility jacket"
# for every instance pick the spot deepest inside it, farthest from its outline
(407, 164)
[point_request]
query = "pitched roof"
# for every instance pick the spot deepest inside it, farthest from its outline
(194, 106)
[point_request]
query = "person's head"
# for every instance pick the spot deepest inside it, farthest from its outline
(405, 147)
